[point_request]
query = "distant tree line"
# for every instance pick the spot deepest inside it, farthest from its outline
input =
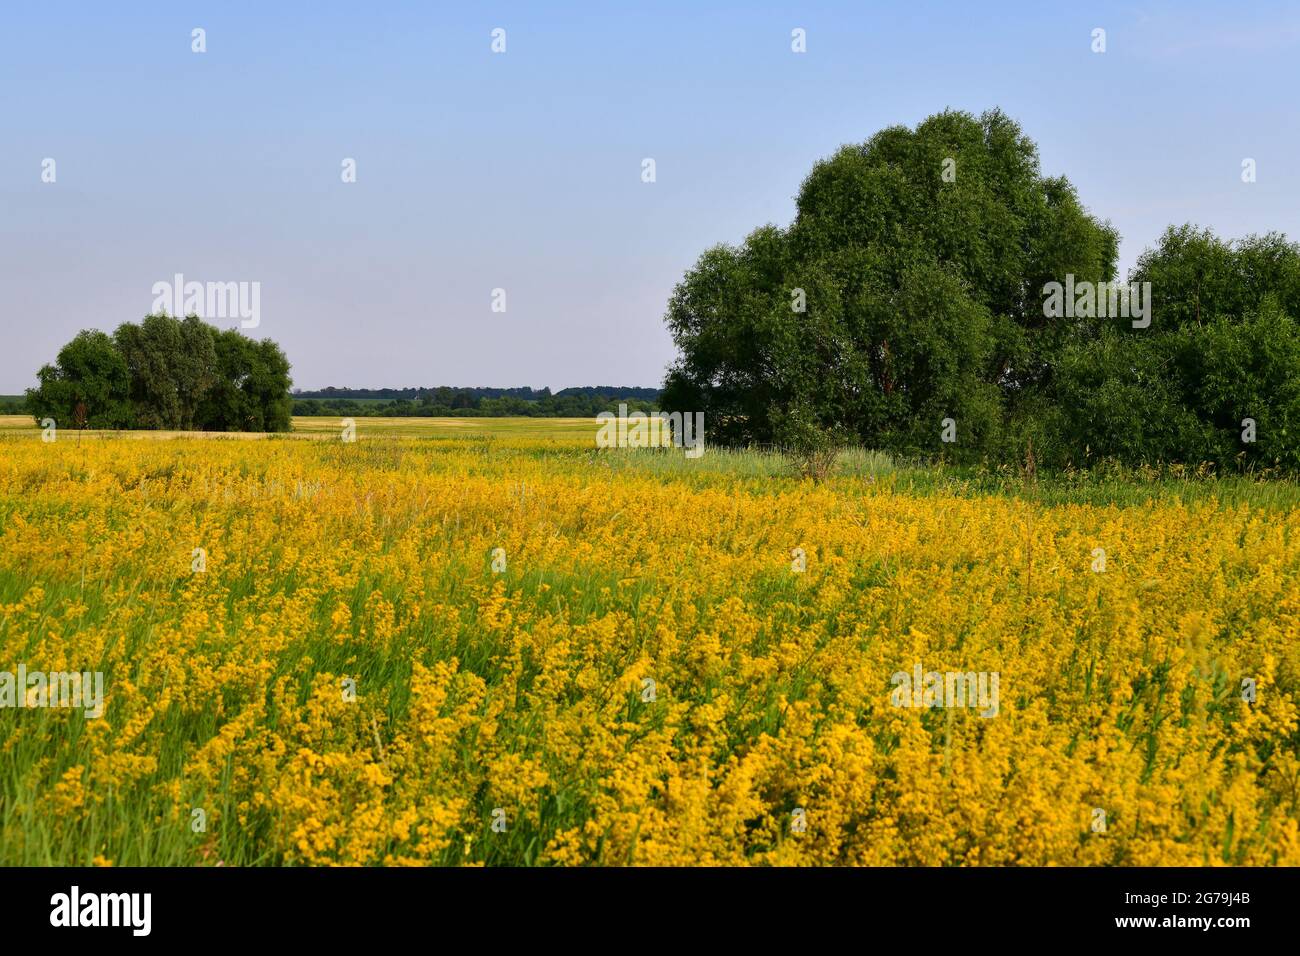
(914, 305)
(182, 374)
(445, 394)
(445, 401)
(166, 373)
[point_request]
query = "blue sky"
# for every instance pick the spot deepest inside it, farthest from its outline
(522, 170)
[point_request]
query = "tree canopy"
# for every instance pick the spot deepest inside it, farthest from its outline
(904, 308)
(1216, 378)
(167, 373)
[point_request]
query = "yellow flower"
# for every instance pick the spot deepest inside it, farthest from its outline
(648, 682)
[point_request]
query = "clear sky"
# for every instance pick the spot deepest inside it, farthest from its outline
(522, 170)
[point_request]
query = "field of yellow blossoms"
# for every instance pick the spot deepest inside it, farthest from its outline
(517, 649)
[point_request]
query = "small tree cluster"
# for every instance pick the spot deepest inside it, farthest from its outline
(167, 373)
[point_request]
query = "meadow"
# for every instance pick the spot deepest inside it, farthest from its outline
(487, 642)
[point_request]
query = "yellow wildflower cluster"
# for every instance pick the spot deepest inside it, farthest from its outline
(319, 646)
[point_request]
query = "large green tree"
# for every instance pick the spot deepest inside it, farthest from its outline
(88, 373)
(153, 351)
(906, 291)
(251, 392)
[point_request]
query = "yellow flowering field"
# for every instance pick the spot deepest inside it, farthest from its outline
(513, 648)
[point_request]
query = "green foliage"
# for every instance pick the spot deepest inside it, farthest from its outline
(813, 449)
(250, 390)
(89, 372)
(920, 260)
(167, 373)
(920, 293)
(444, 402)
(1223, 347)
